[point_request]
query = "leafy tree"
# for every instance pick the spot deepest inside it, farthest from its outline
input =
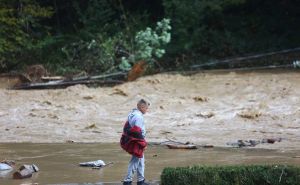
(20, 28)
(148, 44)
(213, 29)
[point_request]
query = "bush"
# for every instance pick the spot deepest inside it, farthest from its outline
(148, 44)
(232, 175)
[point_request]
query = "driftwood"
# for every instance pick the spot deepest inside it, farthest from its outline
(107, 79)
(61, 84)
(180, 146)
(172, 144)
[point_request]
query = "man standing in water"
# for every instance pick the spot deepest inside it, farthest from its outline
(133, 141)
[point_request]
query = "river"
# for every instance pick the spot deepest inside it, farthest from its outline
(58, 163)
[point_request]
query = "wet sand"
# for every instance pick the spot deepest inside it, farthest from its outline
(205, 108)
(58, 163)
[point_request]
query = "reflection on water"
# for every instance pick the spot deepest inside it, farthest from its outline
(58, 163)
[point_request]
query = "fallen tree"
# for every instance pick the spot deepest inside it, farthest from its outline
(107, 79)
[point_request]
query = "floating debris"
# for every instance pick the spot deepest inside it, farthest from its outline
(25, 171)
(271, 140)
(200, 99)
(91, 126)
(165, 132)
(253, 143)
(180, 146)
(205, 114)
(5, 166)
(250, 114)
(120, 92)
(98, 163)
(88, 97)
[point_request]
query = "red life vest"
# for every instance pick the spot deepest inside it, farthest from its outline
(132, 140)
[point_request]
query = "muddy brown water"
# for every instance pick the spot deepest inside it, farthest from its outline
(58, 163)
(203, 108)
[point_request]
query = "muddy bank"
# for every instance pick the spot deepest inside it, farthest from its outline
(204, 108)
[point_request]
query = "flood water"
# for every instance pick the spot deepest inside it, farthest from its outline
(58, 163)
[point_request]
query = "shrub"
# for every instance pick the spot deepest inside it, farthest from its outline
(232, 175)
(148, 44)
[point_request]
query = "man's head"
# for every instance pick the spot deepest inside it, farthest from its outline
(143, 106)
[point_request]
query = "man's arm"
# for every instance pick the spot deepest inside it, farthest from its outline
(139, 121)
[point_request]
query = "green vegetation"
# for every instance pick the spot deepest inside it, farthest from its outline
(20, 31)
(148, 44)
(232, 175)
(101, 36)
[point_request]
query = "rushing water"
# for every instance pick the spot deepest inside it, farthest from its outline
(58, 163)
(205, 108)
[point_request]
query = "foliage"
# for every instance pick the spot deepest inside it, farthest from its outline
(96, 55)
(97, 16)
(217, 29)
(148, 44)
(20, 28)
(34, 32)
(232, 175)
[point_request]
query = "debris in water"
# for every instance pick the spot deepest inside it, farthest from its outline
(166, 132)
(47, 102)
(98, 163)
(205, 114)
(271, 140)
(243, 143)
(6, 165)
(88, 97)
(96, 131)
(200, 99)
(32, 114)
(250, 114)
(252, 143)
(208, 146)
(155, 81)
(25, 171)
(91, 126)
(53, 116)
(180, 146)
(120, 92)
